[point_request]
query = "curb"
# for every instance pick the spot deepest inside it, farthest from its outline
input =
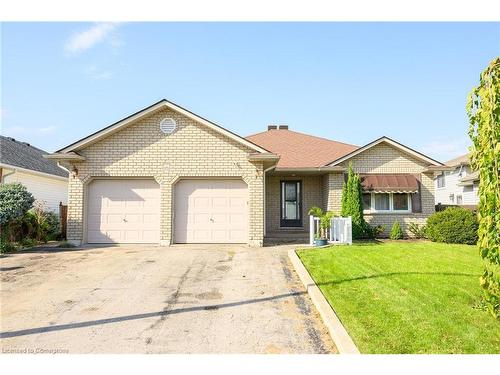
(337, 331)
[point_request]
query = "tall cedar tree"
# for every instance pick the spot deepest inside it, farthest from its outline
(352, 203)
(483, 108)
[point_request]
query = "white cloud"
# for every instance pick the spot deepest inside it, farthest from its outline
(47, 129)
(446, 149)
(88, 38)
(98, 74)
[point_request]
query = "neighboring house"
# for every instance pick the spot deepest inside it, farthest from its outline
(21, 162)
(165, 175)
(459, 185)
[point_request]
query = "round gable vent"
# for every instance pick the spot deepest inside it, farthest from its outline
(167, 125)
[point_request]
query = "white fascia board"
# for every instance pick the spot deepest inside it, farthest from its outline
(391, 142)
(30, 171)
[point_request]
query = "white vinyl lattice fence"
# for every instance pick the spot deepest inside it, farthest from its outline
(340, 231)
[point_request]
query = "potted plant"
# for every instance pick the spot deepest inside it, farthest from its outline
(324, 223)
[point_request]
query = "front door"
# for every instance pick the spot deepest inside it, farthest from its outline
(291, 204)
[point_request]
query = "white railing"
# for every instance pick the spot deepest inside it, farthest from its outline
(340, 231)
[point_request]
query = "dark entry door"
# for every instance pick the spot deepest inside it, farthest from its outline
(291, 204)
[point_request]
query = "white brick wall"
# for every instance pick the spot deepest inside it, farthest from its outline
(193, 150)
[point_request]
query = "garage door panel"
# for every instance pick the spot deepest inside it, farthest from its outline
(94, 222)
(211, 211)
(219, 235)
(236, 235)
(237, 219)
(150, 219)
(220, 202)
(98, 236)
(123, 211)
(237, 202)
(200, 202)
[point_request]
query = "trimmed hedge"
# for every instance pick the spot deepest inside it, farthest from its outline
(453, 225)
(396, 231)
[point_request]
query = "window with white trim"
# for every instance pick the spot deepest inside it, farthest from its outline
(440, 181)
(386, 202)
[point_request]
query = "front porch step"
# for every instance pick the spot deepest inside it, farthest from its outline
(286, 236)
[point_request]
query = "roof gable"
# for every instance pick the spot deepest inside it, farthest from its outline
(415, 154)
(92, 138)
(460, 160)
(22, 155)
(298, 150)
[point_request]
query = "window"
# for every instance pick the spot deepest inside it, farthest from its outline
(386, 202)
(382, 202)
(367, 201)
(400, 202)
(440, 181)
(459, 199)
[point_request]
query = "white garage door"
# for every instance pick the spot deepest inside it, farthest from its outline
(123, 211)
(211, 211)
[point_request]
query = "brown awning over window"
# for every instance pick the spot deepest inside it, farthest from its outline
(389, 183)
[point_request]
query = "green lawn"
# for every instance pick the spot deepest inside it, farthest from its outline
(406, 297)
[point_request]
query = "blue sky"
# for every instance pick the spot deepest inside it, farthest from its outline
(351, 82)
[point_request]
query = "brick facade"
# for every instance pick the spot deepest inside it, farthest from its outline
(383, 158)
(312, 195)
(327, 193)
(142, 150)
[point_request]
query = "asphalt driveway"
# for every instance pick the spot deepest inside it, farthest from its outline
(139, 299)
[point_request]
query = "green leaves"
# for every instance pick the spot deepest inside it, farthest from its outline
(352, 203)
(15, 201)
(483, 110)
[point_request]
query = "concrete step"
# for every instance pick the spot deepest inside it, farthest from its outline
(286, 236)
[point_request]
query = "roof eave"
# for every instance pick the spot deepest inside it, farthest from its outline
(68, 156)
(438, 168)
(390, 141)
(310, 169)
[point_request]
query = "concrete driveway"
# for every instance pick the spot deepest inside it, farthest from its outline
(145, 299)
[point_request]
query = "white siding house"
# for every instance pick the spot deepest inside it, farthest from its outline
(23, 163)
(458, 186)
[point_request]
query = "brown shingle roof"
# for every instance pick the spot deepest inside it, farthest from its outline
(298, 150)
(463, 159)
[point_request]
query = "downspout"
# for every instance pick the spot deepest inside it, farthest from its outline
(66, 169)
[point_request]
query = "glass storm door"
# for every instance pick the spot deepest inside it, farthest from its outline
(291, 204)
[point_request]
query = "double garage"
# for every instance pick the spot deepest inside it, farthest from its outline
(204, 211)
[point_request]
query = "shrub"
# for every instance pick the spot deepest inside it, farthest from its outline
(53, 226)
(41, 224)
(352, 204)
(396, 232)
(376, 231)
(6, 246)
(66, 245)
(15, 201)
(418, 230)
(28, 242)
(453, 225)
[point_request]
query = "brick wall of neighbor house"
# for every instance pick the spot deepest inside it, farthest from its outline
(387, 159)
(312, 195)
(141, 150)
